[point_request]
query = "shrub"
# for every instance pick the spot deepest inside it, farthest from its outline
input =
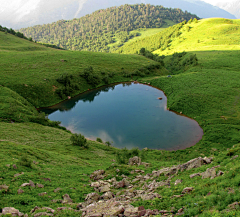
(106, 79)
(99, 140)
(123, 155)
(24, 161)
(108, 143)
(79, 140)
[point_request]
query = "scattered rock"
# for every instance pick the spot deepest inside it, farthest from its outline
(12, 211)
(57, 190)
(234, 205)
(231, 190)
(141, 211)
(146, 164)
(25, 184)
(194, 175)
(134, 161)
(66, 199)
(160, 98)
(64, 208)
(42, 194)
(18, 174)
(131, 211)
(98, 174)
(20, 191)
(104, 189)
(14, 166)
(4, 187)
(8, 165)
(178, 181)
(92, 197)
(150, 196)
(107, 196)
(209, 173)
(43, 214)
(31, 184)
(106, 208)
(40, 186)
(234, 157)
(178, 196)
(187, 190)
(121, 184)
(220, 173)
(180, 210)
(34, 209)
(47, 179)
(207, 160)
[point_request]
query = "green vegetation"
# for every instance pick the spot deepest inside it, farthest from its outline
(45, 76)
(204, 87)
(105, 27)
(79, 140)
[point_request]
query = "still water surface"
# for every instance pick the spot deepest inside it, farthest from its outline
(128, 115)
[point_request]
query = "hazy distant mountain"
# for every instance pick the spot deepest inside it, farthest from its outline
(23, 13)
(231, 7)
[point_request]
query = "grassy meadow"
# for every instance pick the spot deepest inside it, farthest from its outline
(208, 92)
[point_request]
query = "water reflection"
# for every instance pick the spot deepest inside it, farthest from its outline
(128, 115)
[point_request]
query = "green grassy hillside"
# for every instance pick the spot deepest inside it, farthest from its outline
(32, 70)
(206, 35)
(208, 92)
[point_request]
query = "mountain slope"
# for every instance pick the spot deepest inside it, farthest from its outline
(94, 32)
(24, 13)
(206, 34)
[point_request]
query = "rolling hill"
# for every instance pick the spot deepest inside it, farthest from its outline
(96, 31)
(206, 34)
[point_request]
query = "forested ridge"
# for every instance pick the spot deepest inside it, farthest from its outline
(96, 31)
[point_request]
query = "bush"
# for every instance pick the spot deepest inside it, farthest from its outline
(108, 143)
(123, 155)
(24, 161)
(79, 140)
(99, 140)
(106, 79)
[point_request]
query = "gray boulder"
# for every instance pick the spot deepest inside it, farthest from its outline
(187, 190)
(98, 174)
(107, 196)
(92, 197)
(4, 187)
(66, 199)
(134, 161)
(209, 173)
(12, 211)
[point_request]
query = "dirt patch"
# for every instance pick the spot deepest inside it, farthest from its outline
(54, 88)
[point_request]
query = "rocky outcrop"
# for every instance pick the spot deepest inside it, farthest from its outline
(194, 163)
(97, 175)
(12, 211)
(20, 191)
(66, 199)
(4, 187)
(134, 161)
(187, 190)
(209, 173)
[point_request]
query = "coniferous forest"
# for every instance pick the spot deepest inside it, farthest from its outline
(96, 31)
